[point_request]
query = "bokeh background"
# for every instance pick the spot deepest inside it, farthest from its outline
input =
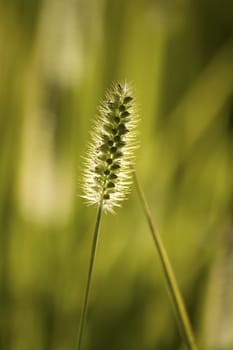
(57, 57)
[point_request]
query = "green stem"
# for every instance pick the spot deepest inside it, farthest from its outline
(179, 306)
(89, 276)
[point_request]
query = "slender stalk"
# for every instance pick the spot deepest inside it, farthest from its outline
(89, 276)
(178, 303)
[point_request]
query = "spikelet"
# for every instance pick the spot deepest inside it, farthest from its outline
(108, 163)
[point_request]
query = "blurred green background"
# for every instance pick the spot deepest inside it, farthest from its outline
(57, 57)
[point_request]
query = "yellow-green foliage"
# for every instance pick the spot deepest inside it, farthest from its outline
(57, 58)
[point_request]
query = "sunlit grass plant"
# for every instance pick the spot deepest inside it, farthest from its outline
(108, 171)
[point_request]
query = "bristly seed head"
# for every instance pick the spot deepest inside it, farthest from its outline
(108, 172)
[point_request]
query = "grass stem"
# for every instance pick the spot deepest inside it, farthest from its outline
(89, 276)
(176, 297)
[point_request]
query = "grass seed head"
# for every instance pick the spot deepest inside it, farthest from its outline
(110, 156)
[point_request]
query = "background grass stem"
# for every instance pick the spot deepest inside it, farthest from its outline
(176, 297)
(89, 276)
